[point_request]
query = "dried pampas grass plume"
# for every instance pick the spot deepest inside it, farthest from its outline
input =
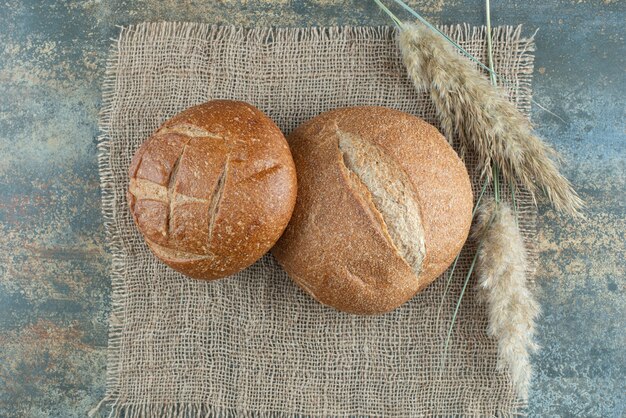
(501, 268)
(482, 118)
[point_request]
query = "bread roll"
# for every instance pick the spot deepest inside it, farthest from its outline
(213, 188)
(384, 206)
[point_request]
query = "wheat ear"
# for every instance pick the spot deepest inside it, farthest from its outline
(501, 267)
(483, 119)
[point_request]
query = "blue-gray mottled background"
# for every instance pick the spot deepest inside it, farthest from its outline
(54, 268)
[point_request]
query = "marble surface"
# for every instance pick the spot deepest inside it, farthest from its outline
(54, 266)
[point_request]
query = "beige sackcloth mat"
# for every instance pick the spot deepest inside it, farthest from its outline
(255, 344)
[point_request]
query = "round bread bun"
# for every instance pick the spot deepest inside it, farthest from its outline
(213, 188)
(384, 206)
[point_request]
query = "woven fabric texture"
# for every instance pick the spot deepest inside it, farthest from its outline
(255, 344)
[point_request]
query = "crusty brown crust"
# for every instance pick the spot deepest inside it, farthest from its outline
(213, 188)
(334, 247)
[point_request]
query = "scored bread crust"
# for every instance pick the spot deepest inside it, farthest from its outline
(337, 245)
(213, 188)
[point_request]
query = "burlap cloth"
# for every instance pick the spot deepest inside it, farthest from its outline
(255, 344)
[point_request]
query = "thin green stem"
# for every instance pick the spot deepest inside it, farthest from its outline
(495, 170)
(480, 196)
(456, 260)
(514, 201)
(445, 291)
(393, 17)
(494, 82)
(489, 48)
(458, 303)
(456, 310)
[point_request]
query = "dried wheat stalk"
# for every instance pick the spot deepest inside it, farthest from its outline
(483, 119)
(501, 267)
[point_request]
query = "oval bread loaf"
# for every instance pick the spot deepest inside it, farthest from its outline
(384, 205)
(213, 188)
